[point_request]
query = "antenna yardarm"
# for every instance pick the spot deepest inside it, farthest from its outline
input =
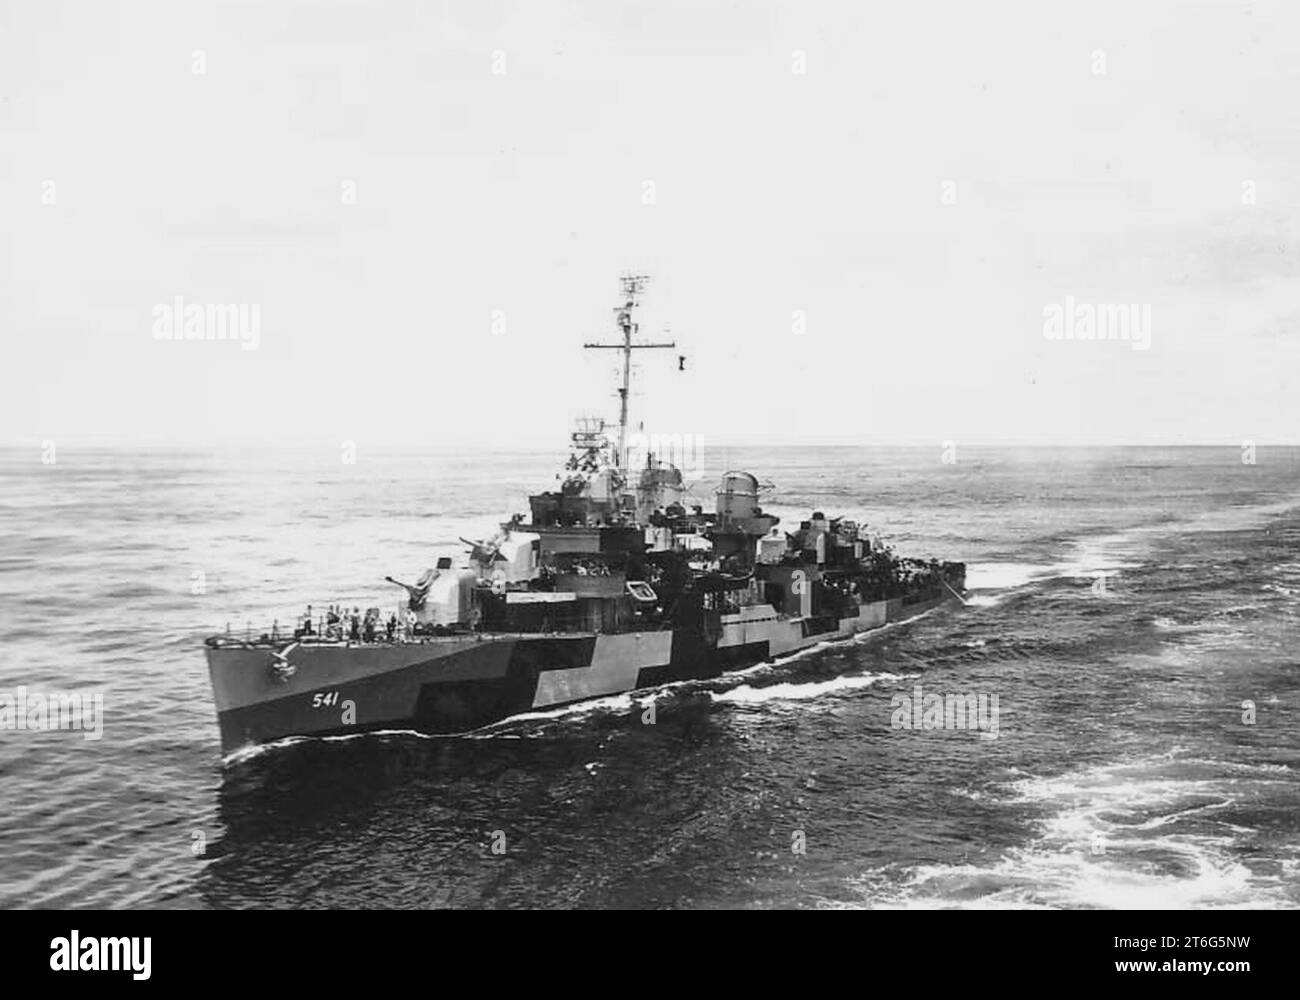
(633, 285)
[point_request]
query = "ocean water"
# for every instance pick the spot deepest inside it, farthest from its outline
(1125, 771)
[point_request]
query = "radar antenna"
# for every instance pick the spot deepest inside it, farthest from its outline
(633, 285)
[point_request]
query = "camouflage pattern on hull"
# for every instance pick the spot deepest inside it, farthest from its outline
(453, 684)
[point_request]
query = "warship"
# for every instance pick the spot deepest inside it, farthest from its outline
(615, 582)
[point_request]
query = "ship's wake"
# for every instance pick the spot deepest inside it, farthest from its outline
(1153, 834)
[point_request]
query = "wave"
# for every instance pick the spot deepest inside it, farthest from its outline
(1004, 576)
(790, 691)
(1150, 834)
(1088, 558)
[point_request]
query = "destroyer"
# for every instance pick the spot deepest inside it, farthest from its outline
(616, 582)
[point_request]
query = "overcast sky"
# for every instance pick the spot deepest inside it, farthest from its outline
(918, 182)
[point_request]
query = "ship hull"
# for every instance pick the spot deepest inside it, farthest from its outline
(451, 684)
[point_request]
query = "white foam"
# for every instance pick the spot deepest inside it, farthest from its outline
(1003, 576)
(1170, 625)
(609, 703)
(1095, 555)
(746, 695)
(1087, 558)
(1133, 812)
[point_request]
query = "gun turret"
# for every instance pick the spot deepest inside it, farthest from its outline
(482, 552)
(415, 595)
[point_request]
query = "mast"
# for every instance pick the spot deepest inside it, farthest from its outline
(633, 284)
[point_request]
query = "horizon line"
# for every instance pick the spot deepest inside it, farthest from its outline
(388, 448)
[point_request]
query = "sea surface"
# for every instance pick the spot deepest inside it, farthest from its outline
(1133, 610)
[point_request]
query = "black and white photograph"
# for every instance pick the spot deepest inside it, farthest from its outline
(568, 455)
